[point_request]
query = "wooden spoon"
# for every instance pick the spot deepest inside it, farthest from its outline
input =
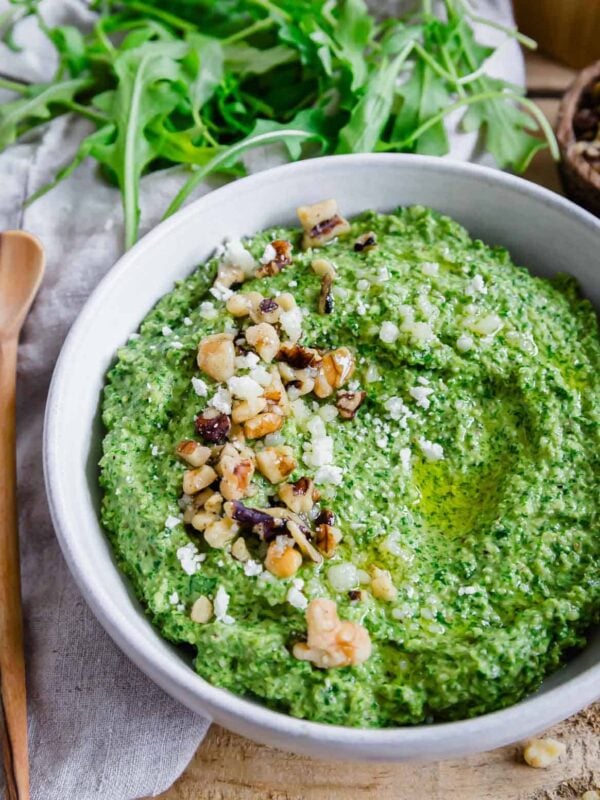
(21, 269)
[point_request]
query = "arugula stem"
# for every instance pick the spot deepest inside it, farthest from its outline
(432, 121)
(129, 187)
(85, 111)
(227, 155)
(513, 32)
(158, 13)
(14, 86)
(245, 33)
(272, 9)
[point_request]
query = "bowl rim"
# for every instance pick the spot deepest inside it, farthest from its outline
(437, 740)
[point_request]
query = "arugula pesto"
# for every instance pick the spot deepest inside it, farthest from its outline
(464, 486)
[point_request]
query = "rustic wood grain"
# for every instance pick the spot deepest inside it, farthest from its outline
(228, 767)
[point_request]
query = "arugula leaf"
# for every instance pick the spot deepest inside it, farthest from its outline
(352, 35)
(505, 129)
(363, 130)
(423, 95)
(35, 107)
(247, 60)
(143, 94)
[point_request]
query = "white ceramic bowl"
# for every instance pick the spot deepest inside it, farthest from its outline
(541, 230)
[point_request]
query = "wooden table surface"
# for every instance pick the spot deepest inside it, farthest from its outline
(228, 767)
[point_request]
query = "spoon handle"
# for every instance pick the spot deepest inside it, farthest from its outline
(13, 702)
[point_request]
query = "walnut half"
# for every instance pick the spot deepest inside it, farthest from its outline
(321, 223)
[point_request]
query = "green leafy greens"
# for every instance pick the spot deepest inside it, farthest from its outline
(204, 81)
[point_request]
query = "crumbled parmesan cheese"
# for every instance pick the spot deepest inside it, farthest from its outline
(475, 287)
(486, 326)
(176, 345)
(430, 268)
(296, 598)
(405, 456)
(389, 332)
(199, 387)
(172, 522)
(261, 375)
(269, 254)
(166, 331)
(420, 395)
(236, 255)
(220, 292)
(208, 310)
(244, 387)
(187, 322)
(220, 605)
(466, 590)
(221, 400)
(154, 451)
(291, 322)
(247, 361)
(329, 474)
(343, 577)
(431, 450)
(397, 409)
(189, 558)
(173, 598)
(252, 568)
(329, 412)
(362, 285)
(464, 343)
(382, 276)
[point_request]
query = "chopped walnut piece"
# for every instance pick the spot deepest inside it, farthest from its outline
(333, 372)
(239, 550)
(238, 305)
(237, 473)
(268, 310)
(325, 305)
(540, 753)
(283, 258)
(366, 241)
(298, 496)
(321, 223)
(212, 425)
(265, 340)
(283, 561)
(298, 356)
(228, 275)
(322, 267)
(214, 503)
(221, 532)
(276, 463)
(297, 530)
(202, 610)
(275, 391)
(194, 503)
(381, 584)
(194, 453)
(244, 410)
(263, 424)
(216, 356)
(194, 480)
(327, 538)
(348, 403)
(203, 519)
(332, 642)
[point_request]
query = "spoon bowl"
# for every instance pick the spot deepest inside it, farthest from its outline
(21, 271)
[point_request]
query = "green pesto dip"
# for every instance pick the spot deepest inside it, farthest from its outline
(470, 472)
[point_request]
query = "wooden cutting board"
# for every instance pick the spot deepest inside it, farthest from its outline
(228, 767)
